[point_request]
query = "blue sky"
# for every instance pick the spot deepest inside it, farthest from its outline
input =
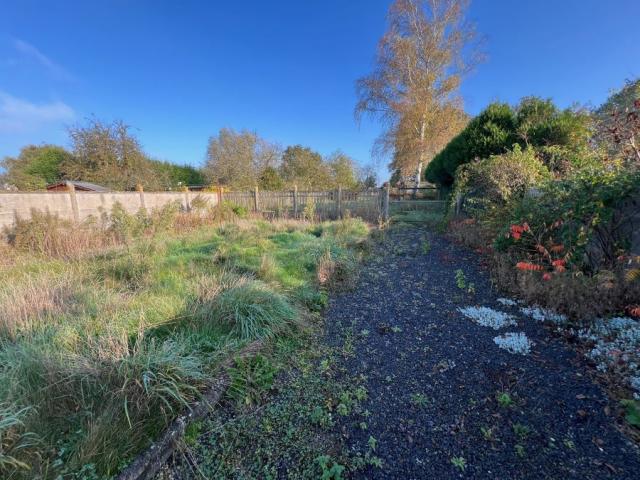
(179, 71)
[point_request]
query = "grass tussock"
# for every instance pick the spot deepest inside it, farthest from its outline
(245, 308)
(15, 442)
(117, 391)
(337, 273)
(100, 350)
(252, 311)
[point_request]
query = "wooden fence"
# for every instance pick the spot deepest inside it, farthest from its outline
(415, 193)
(322, 205)
(372, 205)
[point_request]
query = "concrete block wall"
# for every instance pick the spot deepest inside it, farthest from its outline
(20, 205)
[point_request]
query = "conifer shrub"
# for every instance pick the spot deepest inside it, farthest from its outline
(559, 137)
(490, 133)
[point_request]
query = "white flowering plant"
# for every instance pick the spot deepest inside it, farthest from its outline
(514, 342)
(488, 317)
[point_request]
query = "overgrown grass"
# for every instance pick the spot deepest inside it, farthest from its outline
(99, 351)
(433, 218)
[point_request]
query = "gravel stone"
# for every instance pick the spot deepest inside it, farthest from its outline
(554, 427)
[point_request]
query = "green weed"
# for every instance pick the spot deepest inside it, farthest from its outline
(251, 378)
(632, 409)
(192, 432)
(419, 400)
(504, 399)
(459, 462)
(372, 443)
(461, 282)
(330, 470)
(521, 431)
(487, 434)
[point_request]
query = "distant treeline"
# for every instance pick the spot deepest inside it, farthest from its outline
(108, 154)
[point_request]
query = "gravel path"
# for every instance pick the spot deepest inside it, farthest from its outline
(442, 392)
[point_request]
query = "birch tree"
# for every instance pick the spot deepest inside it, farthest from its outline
(413, 88)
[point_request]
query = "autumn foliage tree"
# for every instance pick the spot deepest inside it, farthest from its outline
(109, 154)
(304, 167)
(239, 159)
(618, 124)
(343, 170)
(35, 167)
(413, 89)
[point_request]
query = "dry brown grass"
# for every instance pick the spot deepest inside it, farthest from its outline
(336, 274)
(50, 235)
(326, 268)
(8, 256)
(469, 233)
(33, 301)
(208, 288)
(267, 270)
(188, 221)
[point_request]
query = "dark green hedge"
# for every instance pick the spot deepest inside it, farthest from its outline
(534, 121)
(490, 133)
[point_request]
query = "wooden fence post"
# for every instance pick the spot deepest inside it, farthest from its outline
(385, 204)
(295, 201)
(256, 200)
(140, 190)
(74, 201)
(187, 200)
(219, 195)
(339, 201)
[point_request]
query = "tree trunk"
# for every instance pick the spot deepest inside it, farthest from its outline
(421, 156)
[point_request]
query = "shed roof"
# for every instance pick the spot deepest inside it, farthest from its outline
(82, 186)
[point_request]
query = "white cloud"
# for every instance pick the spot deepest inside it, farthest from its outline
(32, 52)
(19, 115)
